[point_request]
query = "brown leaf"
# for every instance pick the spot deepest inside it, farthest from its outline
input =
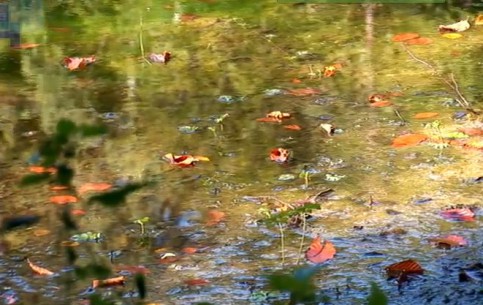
(460, 26)
(410, 139)
(115, 281)
(39, 270)
(425, 115)
(41, 232)
(319, 252)
(404, 37)
(404, 268)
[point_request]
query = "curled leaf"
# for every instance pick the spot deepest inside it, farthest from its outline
(279, 155)
(410, 139)
(460, 26)
(425, 115)
(319, 252)
(184, 160)
(402, 269)
(39, 270)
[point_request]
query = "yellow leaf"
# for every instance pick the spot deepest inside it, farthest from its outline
(202, 158)
(479, 19)
(452, 35)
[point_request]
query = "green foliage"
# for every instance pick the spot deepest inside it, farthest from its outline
(299, 284)
(116, 197)
(377, 296)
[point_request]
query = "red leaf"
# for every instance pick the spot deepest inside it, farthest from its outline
(292, 127)
(425, 115)
(184, 160)
(190, 250)
(304, 91)
(63, 199)
(319, 252)
(196, 282)
(280, 155)
(78, 63)
(403, 269)
(404, 37)
(418, 41)
(78, 212)
(410, 139)
(39, 270)
(115, 281)
(450, 241)
(458, 214)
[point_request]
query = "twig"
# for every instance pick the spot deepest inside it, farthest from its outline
(462, 101)
(399, 116)
(141, 44)
(302, 240)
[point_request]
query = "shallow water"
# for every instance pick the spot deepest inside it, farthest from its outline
(242, 49)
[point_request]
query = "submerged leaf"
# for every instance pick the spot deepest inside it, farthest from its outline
(63, 199)
(94, 187)
(410, 139)
(319, 252)
(116, 281)
(215, 217)
(164, 58)
(449, 241)
(377, 296)
(78, 63)
(292, 127)
(418, 41)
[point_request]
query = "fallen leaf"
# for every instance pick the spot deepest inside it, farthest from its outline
(94, 187)
(410, 139)
(39, 270)
(115, 281)
(279, 115)
(132, 269)
(303, 92)
(63, 199)
(196, 282)
(449, 241)
(472, 131)
(78, 212)
(479, 19)
(381, 104)
(404, 37)
(452, 35)
(41, 232)
(215, 217)
(418, 41)
(296, 81)
(458, 214)
(189, 250)
(328, 128)
(42, 169)
(280, 155)
(329, 71)
(425, 115)
(184, 160)
(69, 243)
(292, 127)
(460, 26)
(168, 260)
(25, 46)
(59, 187)
(402, 269)
(319, 252)
(78, 63)
(377, 97)
(187, 17)
(165, 57)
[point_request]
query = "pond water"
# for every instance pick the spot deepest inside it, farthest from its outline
(244, 59)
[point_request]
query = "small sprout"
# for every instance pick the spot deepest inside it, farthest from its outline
(141, 222)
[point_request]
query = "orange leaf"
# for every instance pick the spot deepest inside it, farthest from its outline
(266, 119)
(425, 115)
(78, 63)
(39, 270)
(410, 139)
(459, 214)
(472, 131)
(381, 104)
(329, 71)
(279, 155)
(190, 250)
(292, 127)
(404, 37)
(25, 46)
(304, 91)
(78, 212)
(278, 115)
(479, 19)
(63, 199)
(215, 217)
(132, 269)
(373, 98)
(196, 282)
(404, 268)
(59, 187)
(115, 281)
(450, 241)
(42, 170)
(296, 81)
(319, 252)
(41, 232)
(94, 187)
(418, 41)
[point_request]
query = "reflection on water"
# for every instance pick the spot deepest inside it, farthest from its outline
(239, 49)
